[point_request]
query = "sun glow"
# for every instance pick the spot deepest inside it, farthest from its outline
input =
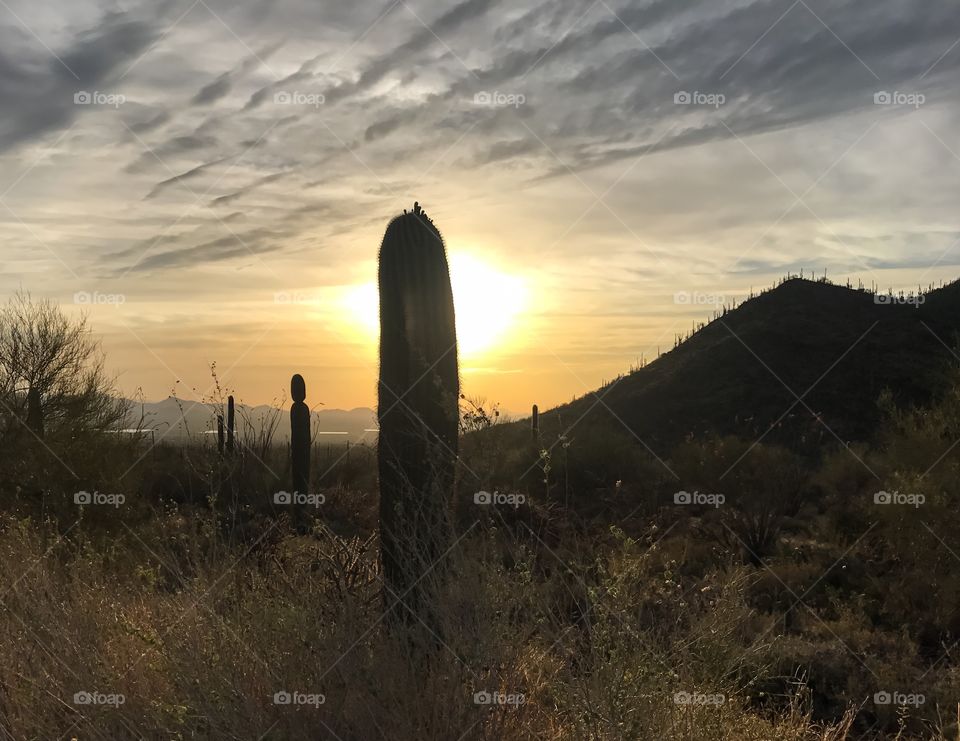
(487, 301)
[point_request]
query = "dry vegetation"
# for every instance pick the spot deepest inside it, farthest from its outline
(596, 608)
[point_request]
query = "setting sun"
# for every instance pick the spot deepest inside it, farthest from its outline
(488, 304)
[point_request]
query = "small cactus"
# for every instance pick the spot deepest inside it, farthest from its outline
(220, 434)
(299, 435)
(231, 425)
(418, 397)
(35, 412)
(535, 422)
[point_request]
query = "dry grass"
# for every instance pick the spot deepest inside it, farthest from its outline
(198, 636)
(199, 613)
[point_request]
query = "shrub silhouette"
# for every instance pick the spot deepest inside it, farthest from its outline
(418, 398)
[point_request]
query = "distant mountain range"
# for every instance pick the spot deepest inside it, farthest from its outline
(836, 348)
(183, 416)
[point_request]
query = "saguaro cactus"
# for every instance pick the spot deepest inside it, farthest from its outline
(220, 434)
(299, 445)
(231, 425)
(34, 412)
(535, 422)
(299, 435)
(418, 400)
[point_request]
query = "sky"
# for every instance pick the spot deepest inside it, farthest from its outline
(209, 181)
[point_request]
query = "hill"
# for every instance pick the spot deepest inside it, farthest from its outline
(802, 364)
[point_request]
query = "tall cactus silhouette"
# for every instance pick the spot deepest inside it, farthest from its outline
(418, 398)
(535, 422)
(34, 412)
(299, 435)
(299, 444)
(231, 425)
(220, 434)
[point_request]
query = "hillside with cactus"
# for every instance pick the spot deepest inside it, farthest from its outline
(803, 364)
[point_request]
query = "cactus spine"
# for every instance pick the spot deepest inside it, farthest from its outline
(535, 422)
(299, 435)
(231, 425)
(34, 412)
(418, 398)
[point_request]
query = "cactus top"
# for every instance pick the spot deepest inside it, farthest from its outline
(417, 214)
(415, 280)
(418, 340)
(298, 388)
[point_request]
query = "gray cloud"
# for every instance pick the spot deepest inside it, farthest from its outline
(223, 83)
(399, 104)
(190, 174)
(797, 73)
(252, 242)
(37, 92)
(147, 125)
(229, 198)
(421, 39)
(213, 91)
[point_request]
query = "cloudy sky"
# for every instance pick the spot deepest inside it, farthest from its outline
(210, 180)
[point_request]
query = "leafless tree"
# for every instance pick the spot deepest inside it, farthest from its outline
(51, 359)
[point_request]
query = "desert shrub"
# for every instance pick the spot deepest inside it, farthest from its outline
(760, 485)
(843, 483)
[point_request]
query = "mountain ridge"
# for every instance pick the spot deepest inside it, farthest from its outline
(836, 348)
